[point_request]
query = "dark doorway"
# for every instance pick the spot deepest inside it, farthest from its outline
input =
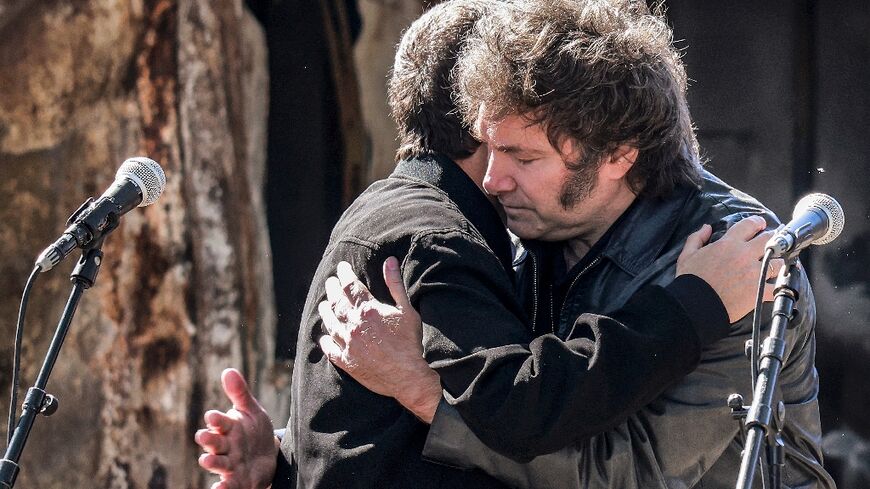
(305, 153)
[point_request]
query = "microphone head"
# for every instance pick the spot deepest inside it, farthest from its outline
(146, 174)
(830, 207)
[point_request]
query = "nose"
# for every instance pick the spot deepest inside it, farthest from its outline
(498, 179)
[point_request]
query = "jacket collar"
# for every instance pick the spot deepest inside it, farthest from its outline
(643, 231)
(443, 173)
(639, 235)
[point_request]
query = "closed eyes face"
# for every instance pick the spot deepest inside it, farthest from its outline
(541, 196)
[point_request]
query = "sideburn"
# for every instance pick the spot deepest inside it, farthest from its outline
(581, 181)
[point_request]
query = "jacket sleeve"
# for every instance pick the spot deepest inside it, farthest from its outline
(465, 298)
(342, 435)
(585, 465)
(554, 393)
(675, 440)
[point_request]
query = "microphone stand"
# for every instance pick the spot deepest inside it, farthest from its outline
(762, 422)
(37, 401)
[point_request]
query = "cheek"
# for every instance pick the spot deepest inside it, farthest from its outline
(542, 184)
(575, 187)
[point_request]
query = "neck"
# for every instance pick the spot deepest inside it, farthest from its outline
(574, 251)
(576, 248)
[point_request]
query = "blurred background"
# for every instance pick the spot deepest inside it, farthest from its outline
(269, 116)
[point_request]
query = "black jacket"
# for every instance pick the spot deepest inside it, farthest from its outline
(457, 267)
(686, 437)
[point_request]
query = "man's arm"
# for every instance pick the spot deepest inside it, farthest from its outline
(632, 465)
(410, 380)
(569, 385)
(674, 441)
(344, 435)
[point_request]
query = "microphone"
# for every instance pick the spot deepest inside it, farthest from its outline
(138, 182)
(817, 219)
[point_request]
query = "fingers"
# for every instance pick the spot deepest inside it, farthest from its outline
(218, 464)
(218, 421)
(338, 302)
(700, 237)
(773, 268)
(211, 442)
(345, 273)
(345, 291)
(237, 391)
(393, 279)
(746, 228)
(333, 290)
(354, 290)
(769, 289)
(757, 244)
(695, 241)
(334, 328)
(333, 352)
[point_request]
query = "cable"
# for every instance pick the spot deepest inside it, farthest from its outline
(16, 358)
(756, 341)
(756, 316)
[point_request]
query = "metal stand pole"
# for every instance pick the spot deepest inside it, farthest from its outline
(761, 419)
(37, 401)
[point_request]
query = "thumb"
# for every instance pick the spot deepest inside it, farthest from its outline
(696, 241)
(393, 279)
(237, 391)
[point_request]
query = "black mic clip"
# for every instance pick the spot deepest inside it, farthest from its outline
(90, 222)
(99, 220)
(76, 213)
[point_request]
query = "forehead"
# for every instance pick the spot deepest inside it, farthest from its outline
(510, 130)
(516, 133)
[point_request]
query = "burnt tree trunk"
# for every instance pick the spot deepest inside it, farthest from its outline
(186, 285)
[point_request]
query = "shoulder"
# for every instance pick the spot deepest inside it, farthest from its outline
(722, 205)
(399, 209)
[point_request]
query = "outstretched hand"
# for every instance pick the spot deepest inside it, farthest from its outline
(378, 344)
(731, 265)
(239, 444)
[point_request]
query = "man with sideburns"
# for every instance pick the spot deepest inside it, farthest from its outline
(457, 266)
(593, 157)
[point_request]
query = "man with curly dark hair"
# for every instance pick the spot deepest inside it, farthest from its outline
(457, 261)
(593, 157)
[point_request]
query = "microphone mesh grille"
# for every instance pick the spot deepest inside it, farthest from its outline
(146, 173)
(831, 208)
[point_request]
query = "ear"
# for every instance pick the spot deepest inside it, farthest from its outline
(619, 162)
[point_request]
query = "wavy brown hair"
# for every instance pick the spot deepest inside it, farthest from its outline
(420, 92)
(601, 72)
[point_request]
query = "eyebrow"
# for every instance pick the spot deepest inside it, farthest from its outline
(513, 149)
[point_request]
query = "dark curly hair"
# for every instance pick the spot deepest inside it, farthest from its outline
(601, 72)
(420, 92)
